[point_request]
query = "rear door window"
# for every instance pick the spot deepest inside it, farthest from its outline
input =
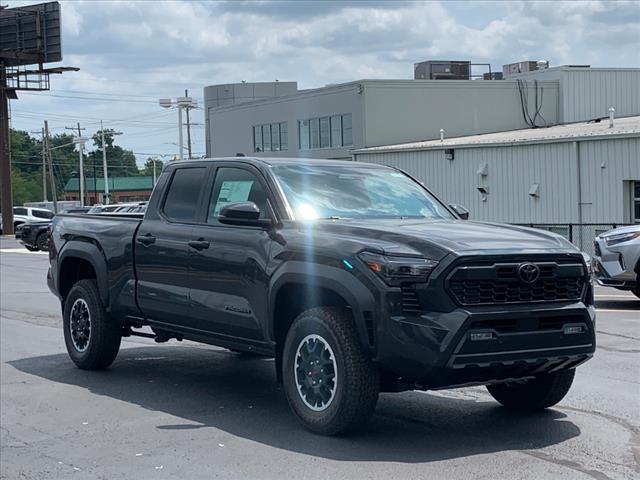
(42, 214)
(181, 203)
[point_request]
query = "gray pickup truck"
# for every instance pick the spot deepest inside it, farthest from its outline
(354, 277)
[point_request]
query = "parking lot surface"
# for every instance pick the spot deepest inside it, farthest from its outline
(183, 410)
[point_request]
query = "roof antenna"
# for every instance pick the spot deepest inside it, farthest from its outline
(240, 154)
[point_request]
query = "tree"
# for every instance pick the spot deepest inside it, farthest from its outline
(147, 170)
(25, 188)
(120, 162)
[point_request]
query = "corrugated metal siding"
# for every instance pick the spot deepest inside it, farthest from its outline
(605, 166)
(588, 94)
(512, 170)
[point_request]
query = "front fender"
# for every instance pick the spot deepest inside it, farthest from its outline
(340, 282)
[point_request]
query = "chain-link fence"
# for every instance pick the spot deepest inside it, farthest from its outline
(581, 235)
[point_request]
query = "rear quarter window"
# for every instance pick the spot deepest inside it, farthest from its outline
(181, 202)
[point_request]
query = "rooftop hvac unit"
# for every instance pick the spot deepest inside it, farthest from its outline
(442, 70)
(522, 67)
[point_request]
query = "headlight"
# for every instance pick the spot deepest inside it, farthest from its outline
(588, 262)
(620, 238)
(395, 270)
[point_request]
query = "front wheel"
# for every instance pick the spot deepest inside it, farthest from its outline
(42, 242)
(91, 337)
(331, 384)
(541, 392)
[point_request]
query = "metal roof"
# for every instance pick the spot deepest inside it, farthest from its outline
(116, 184)
(623, 127)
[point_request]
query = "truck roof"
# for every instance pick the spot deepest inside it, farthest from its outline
(284, 161)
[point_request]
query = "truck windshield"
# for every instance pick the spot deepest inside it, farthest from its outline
(320, 191)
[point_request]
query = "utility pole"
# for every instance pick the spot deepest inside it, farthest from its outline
(104, 165)
(6, 194)
(44, 169)
(45, 141)
(80, 156)
(44, 165)
(186, 94)
(154, 172)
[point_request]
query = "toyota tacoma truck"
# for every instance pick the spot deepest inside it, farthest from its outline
(353, 276)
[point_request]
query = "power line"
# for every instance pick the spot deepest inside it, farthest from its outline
(93, 99)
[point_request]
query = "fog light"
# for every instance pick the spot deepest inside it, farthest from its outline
(570, 329)
(481, 336)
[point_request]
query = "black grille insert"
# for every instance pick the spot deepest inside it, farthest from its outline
(499, 283)
(510, 325)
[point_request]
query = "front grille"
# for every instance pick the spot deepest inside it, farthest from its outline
(410, 303)
(499, 283)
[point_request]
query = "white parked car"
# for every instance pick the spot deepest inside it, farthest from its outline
(29, 215)
(616, 262)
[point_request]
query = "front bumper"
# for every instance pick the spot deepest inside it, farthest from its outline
(615, 266)
(486, 345)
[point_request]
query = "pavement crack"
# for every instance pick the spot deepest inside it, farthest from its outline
(617, 350)
(634, 431)
(618, 335)
(598, 475)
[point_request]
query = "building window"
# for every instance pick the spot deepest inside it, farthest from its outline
(270, 137)
(325, 132)
(266, 138)
(284, 136)
(336, 131)
(315, 133)
(303, 134)
(636, 201)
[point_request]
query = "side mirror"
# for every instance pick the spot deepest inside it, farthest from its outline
(462, 212)
(243, 214)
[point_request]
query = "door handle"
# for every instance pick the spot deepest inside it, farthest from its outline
(147, 239)
(200, 244)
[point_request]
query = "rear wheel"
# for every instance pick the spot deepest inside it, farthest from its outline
(331, 384)
(91, 337)
(541, 392)
(42, 242)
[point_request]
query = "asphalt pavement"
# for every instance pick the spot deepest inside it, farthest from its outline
(188, 411)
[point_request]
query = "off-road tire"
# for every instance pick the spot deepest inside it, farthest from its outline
(104, 339)
(358, 380)
(42, 242)
(542, 392)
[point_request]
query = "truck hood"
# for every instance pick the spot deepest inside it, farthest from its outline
(436, 238)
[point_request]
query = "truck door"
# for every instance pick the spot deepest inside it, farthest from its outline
(161, 250)
(228, 263)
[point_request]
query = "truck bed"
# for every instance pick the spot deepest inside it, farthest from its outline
(106, 240)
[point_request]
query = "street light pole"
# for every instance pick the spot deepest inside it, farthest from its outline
(181, 103)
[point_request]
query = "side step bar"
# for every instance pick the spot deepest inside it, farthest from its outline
(159, 337)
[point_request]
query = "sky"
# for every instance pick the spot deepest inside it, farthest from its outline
(131, 53)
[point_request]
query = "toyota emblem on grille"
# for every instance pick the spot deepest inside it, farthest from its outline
(528, 272)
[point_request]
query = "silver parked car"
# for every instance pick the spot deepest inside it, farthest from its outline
(616, 262)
